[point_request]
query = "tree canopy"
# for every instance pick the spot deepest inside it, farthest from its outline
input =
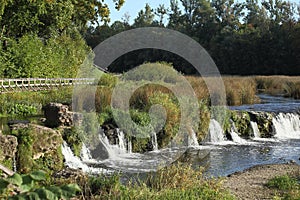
(249, 37)
(42, 38)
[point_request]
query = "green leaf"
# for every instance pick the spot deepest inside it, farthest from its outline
(27, 179)
(38, 175)
(33, 196)
(46, 194)
(70, 190)
(18, 197)
(56, 190)
(3, 184)
(15, 179)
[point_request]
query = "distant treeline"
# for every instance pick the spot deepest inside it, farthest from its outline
(243, 38)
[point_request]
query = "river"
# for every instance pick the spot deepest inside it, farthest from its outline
(220, 158)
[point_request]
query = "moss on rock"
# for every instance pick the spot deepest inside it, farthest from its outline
(39, 148)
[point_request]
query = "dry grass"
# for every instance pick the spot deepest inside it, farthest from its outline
(288, 86)
(239, 90)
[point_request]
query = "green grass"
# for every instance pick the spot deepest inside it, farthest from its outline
(286, 187)
(173, 182)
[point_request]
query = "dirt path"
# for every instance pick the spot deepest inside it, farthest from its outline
(250, 184)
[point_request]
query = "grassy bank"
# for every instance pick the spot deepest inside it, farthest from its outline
(31, 103)
(173, 182)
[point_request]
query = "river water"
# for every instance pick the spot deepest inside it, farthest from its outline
(219, 157)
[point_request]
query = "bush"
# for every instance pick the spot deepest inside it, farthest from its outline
(28, 186)
(163, 72)
(30, 56)
(286, 187)
(283, 183)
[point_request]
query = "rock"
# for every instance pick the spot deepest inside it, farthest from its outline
(264, 122)
(57, 114)
(45, 140)
(68, 175)
(12, 122)
(8, 146)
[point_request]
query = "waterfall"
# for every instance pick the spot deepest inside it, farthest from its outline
(154, 141)
(129, 145)
(71, 160)
(74, 162)
(113, 150)
(122, 142)
(234, 135)
(85, 153)
(14, 164)
(255, 130)
(215, 133)
(192, 138)
(287, 126)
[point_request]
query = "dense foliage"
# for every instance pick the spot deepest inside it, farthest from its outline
(243, 38)
(28, 186)
(43, 38)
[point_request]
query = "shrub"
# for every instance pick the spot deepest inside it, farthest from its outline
(283, 183)
(28, 186)
(286, 187)
(163, 72)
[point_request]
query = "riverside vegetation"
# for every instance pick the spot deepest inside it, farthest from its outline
(190, 184)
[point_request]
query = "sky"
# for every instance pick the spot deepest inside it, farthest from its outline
(132, 7)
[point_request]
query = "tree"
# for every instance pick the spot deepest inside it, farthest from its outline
(161, 11)
(145, 17)
(46, 18)
(175, 16)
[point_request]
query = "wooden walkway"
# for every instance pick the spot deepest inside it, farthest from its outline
(38, 84)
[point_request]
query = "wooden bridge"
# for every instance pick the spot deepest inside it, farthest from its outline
(38, 84)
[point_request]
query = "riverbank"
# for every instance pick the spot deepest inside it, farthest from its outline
(252, 183)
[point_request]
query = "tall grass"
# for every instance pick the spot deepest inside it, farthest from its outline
(279, 85)
(239, 90)
(173, 182)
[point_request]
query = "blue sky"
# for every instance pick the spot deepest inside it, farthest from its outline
(132, 7)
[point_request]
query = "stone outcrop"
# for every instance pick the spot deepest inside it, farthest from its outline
(57, 114)
(8, 146)
(38, 147)
(264, 122)
(45, 140)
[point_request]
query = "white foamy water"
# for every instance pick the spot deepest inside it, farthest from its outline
(192, 138)
(255, 130)
(154, 141)
(215, 133)
(74, 162)
(287, 126)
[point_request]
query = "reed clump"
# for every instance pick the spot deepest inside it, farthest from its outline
(279, 85)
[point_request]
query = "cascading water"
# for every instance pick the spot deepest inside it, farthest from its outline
(129, 145)
(154, 141)
(216, 133)
(192, 138)
(74, 162)
(234, 135)
(255, 130)
(85, 153)
(287, 126)
(122, 141)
